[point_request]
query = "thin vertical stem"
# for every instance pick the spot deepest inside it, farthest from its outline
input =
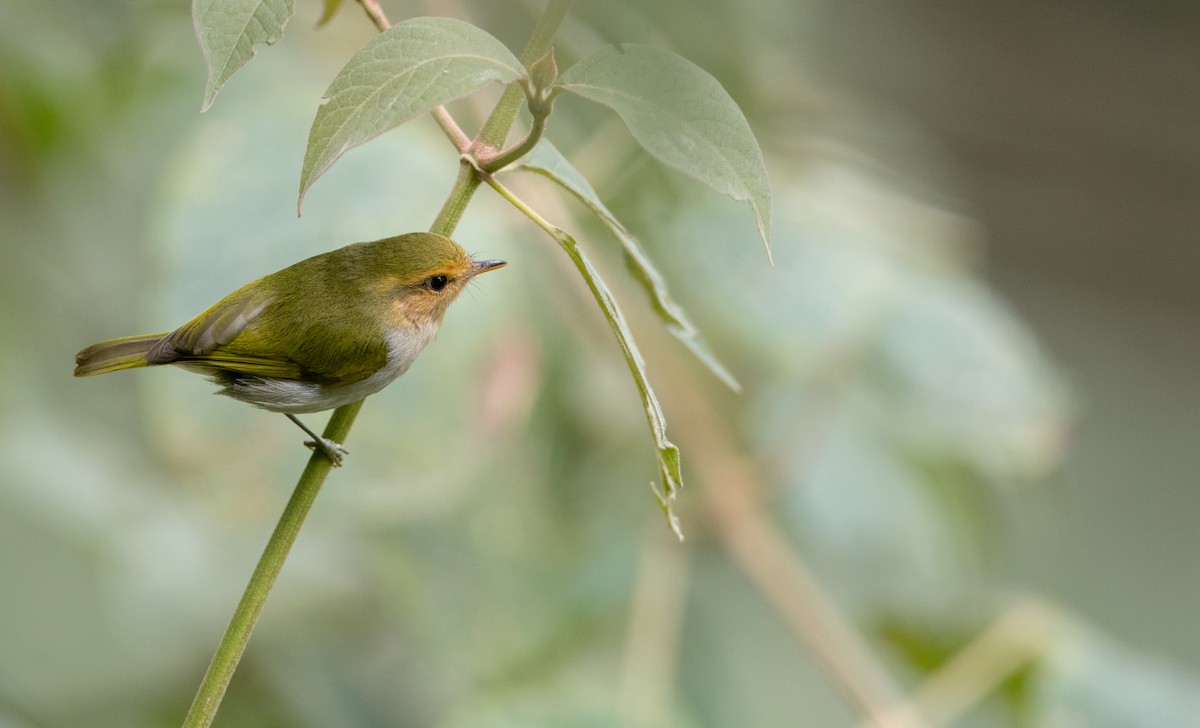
(733, 489)
(456, 204)
(245, 616)
(237, 634)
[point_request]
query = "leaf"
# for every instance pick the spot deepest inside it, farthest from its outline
(546, 160)
(682, 116)
(327, 13)
(667, 452)
(405, 71)
(228, 30)
(1098, 682)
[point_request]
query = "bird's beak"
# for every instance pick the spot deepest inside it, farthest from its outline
(483, 266)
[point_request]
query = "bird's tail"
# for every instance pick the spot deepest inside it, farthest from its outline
(115, 354)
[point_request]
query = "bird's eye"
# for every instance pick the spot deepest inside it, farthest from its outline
(436, 283)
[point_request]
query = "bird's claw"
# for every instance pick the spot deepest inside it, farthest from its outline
(333, 450)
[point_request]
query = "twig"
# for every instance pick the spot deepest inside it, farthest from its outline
(376, 14)
(245, 616)
(1017, 638)
(520, 149)
(453, 131)
(733, 493)
(765, 555)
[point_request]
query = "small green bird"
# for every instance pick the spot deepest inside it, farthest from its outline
(316, 335)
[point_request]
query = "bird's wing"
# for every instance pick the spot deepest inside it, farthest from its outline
(216, 327)
(254, 334)
(345, 361)
(206, 340)
(241, 363)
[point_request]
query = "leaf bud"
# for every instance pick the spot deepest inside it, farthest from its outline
(544, 72)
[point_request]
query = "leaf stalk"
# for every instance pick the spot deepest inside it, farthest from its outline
(541, 112)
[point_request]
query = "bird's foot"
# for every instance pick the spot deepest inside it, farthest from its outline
(333, 450)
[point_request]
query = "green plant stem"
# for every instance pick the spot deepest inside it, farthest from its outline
(456, 204)
(237, 634)
(233, 644)
(521, 148)
(498, 124)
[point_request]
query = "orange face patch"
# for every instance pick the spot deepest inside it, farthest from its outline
(420, 299)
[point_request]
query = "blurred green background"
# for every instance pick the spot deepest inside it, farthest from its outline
(963, 471)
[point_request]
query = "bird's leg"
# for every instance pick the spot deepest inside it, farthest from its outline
(333, 450)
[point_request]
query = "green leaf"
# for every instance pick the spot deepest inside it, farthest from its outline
(228, 30)
(682, 116)
(668, 453)
(327, 13)
(407, 70)
(546, 160)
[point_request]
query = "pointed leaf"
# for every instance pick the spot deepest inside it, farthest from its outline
(546, 160)
(405, 71)
(228, 30)
(668, 453)
(681, 115)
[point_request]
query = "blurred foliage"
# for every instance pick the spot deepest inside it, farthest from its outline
(489, 557)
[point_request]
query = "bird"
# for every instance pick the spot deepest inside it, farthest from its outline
(324, 332)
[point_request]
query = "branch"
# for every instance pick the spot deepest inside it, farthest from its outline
(733, 492)
(237, 634)
(785, 581)
(376, 14)
(453, 131)
(1019, 637)
(521, 148)
(245, 616)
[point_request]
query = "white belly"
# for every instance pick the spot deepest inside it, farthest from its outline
(295, 397)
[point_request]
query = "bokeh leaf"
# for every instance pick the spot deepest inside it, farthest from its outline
(407, 70)
(228, 30)
(682, 116)
(546, 160)
(1092, 680)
